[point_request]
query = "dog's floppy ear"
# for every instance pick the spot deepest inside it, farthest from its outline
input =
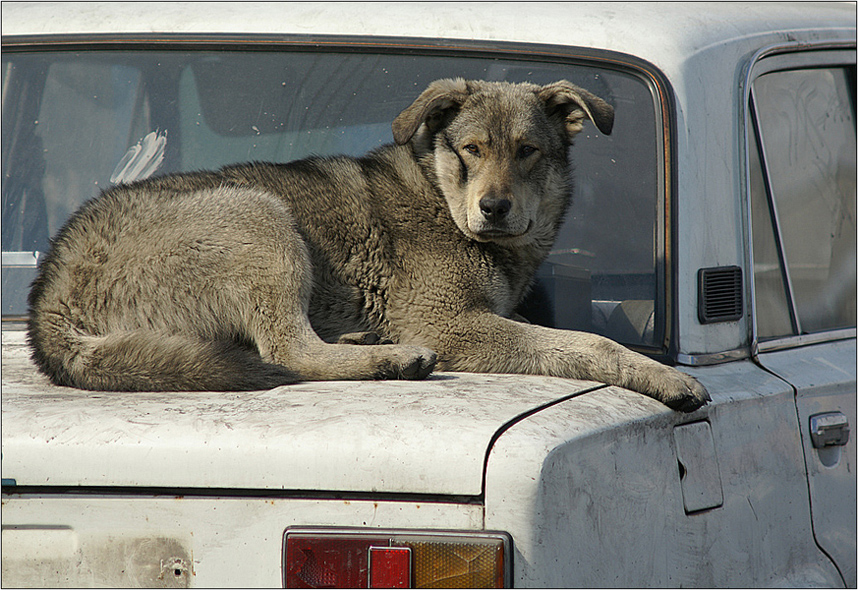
(575, 104)
(430, 108)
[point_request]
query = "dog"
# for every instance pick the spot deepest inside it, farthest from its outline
(385, 266)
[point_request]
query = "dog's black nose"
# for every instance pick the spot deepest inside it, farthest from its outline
(494, 209)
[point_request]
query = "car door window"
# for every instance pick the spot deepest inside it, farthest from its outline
(802, 188)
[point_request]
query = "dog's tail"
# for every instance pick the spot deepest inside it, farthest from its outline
(143, 360)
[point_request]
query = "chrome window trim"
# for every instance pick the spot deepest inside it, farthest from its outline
(773, 58)
(804, 340)
(20, 259)
(713, 358)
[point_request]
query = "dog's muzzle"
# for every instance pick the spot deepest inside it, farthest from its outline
(494, 210)
(495, 218)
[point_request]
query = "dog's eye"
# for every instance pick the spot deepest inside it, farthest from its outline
(472, 149)
(526, 151)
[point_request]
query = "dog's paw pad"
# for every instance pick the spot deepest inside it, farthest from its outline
(690, 395)
(420, 366)
(413, 363)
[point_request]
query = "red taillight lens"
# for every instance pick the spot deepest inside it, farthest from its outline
(389, 567)
(324, 558)
(327, 562)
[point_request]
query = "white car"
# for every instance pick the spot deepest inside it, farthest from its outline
(715, 229)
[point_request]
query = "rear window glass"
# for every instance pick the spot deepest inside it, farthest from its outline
(75, 123)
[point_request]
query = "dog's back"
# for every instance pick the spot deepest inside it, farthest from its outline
(203, 281)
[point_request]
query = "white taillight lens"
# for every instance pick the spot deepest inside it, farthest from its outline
(327, 558)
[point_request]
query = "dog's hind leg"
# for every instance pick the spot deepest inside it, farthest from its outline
(316, 360)
(144, 360)
(288, 339)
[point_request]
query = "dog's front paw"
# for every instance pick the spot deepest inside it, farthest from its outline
(681, 392)
(407, 362)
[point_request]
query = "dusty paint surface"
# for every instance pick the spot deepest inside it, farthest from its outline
(419, 437)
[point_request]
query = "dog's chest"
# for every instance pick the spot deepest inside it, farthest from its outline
(511, 274)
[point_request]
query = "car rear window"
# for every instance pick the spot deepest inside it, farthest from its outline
(76, 122)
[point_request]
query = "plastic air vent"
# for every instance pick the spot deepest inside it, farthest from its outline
(719, 294)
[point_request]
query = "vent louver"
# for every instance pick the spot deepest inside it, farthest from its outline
(719, 296)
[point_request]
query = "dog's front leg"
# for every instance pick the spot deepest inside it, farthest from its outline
(483, 342)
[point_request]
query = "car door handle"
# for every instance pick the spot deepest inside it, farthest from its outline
(829, 429)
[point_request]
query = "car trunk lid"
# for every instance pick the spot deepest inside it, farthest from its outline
(424, 437)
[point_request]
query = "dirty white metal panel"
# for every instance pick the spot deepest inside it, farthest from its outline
(640, 27)
(709, 210)
(591, 491)
(418, 437)
(183, 541)
(824, 376)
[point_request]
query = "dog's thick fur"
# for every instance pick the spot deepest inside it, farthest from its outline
(259, 275)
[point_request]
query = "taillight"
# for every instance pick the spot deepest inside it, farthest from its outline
(344, 558)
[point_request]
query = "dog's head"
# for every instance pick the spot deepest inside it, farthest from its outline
(499, 151)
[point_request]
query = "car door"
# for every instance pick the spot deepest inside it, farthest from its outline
(801, 142)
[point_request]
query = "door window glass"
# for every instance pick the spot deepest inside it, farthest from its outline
(806, 119)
